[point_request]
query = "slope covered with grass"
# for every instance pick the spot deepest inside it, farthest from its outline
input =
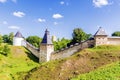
(107, 72)
(19, 60)
(82, 62)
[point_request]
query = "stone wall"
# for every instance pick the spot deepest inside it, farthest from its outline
(34, 50)
(63, 53)
(114, 40)
(101, 40)
(72, 49)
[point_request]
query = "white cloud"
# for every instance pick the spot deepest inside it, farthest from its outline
(19, 14)
(100, 3)
(14, 27)
(62, 2)
(57, 16)
(55, 23)
(41, 20)
(3, 1)
(5, 22)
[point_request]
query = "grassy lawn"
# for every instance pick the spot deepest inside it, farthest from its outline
(20, 60)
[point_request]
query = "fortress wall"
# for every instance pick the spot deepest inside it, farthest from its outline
(70, 51)
(35, 51)
(114, 41)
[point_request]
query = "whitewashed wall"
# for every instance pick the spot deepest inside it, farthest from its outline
(17, 41)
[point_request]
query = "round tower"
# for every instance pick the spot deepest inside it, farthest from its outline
(18, 39)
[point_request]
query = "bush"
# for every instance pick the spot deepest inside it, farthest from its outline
(5, 50)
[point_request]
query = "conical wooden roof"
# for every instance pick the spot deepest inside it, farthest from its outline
(47, 38)
(18, 34)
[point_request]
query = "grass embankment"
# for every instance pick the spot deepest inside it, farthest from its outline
(18, 61)
(82, 62)
(107, 72)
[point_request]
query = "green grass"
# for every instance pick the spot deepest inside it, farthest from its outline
(91, 62)
(20, 60)
(107, 72)
(82, 62)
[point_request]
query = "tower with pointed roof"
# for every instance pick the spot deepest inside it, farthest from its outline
(18, 39)
(100, 37)
(46, 47)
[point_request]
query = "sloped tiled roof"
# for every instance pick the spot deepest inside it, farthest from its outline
(47, 38)
(100, 31)
(18, 34)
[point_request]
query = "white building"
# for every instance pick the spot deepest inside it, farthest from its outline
(18, 39)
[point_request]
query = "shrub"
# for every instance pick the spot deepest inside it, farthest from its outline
(5, 50)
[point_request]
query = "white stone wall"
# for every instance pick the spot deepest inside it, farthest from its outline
(17, 41)
(45, 52)
(101, 40)
(50, 49)
(114, 41)
(35, 51)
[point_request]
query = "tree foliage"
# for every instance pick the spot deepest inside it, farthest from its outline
(61, 43)
(8, 38)
(1, 39)
(34, 40)
(5, 38)
(11, 35)
(117, 33)
(4, 50)
(79, 35)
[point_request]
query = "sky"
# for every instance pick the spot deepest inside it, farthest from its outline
(60, 17)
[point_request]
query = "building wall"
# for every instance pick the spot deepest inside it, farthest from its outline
(50, 49)
(17, 41)
(101, 40)
(45, 52)
(113, 41)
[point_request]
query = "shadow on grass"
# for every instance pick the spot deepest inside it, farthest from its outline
(31, 56)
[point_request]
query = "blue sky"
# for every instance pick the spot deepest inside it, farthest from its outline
(32, 17)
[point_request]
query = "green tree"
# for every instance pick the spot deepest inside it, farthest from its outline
(1, 39)
(5, 38)
(78, 35)
(6, 50)
(8, 38)
(88, 36)
(11, 35)
(34, 40)
(117, 33)
(61, 43)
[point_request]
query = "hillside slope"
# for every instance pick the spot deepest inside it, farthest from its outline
(107, 72)
(20, 60)
(82, 62)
